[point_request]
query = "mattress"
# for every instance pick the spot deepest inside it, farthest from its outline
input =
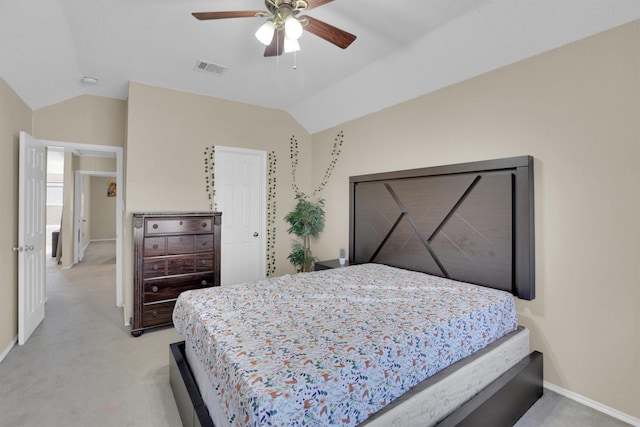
(339, 344)
(422, 406)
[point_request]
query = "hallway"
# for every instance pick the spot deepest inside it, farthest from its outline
(81, 367)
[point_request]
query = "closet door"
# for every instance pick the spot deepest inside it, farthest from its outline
(240, 194)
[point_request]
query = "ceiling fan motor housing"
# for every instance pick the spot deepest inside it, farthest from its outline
(295, 6)
(286, 9)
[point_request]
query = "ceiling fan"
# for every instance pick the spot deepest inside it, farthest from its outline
(283, 28)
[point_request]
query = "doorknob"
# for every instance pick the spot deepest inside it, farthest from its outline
(255, 234)
(23, 248)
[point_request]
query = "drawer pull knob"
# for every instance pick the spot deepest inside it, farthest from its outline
(155, 266)
(180, 222)
(155, 246)
(204, 225)
(204, 262)
(204, 243)
(204, 282)
(154, 313)
(154, 289)
(155, 226)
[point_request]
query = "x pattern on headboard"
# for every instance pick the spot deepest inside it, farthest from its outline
(471, 222)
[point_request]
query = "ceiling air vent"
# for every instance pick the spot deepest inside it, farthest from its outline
(208, 67)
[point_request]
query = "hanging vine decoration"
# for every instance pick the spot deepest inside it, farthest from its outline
(335, 153)
(209, 173)
(271, 215)
(209, 186)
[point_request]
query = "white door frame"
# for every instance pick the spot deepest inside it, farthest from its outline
(262, 229)
(118, 152)
(77, 204)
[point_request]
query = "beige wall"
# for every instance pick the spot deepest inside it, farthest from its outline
(102, 220)
(15, 116)
(99, 210)
(86, 119)
(577, 111)
(168, 132)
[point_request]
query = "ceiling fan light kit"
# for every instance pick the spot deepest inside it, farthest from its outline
(292, 28)
(283, 29)
(291, 45)
(265, 32)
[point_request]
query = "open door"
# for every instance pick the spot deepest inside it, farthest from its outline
(79, 218)
(31, 236)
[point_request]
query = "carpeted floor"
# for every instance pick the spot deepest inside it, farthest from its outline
(81, 367)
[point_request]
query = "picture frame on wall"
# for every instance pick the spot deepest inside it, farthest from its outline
(111, 189)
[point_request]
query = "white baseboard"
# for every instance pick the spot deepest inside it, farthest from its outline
(8, 349)
(593, 404)
(101, 240)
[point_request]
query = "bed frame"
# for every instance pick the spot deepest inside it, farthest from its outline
(472, 222)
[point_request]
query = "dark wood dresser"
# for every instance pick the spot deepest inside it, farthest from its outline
(172, 252)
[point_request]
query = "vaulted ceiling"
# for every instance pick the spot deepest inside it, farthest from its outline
(404, 48)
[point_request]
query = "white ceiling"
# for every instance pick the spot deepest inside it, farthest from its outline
(405, 48)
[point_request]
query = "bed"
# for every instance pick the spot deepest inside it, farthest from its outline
(419, 240)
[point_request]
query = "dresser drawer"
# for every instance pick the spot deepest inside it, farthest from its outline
(178, 225)
(203, 243)
(179, 245)
(180, 265)
(172, 287)
(154, 267)
(157, 314)
(204, 262)
(154, 246)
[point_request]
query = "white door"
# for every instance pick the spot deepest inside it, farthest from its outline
(79, 221)
(240, 194)
(31, 236)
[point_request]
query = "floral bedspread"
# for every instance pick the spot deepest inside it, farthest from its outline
(333, 347)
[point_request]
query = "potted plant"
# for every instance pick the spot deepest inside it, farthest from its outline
(306, 221)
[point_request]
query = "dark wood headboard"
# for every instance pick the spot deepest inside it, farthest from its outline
(472, 222)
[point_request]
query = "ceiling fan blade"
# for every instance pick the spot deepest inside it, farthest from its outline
(330, 33)
(203, 16)
(277, 45)
(317, 3)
